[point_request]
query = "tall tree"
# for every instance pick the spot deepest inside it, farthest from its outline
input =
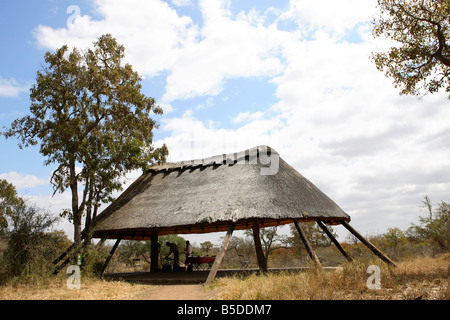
(435, 227)
(268, 237)
(9, 201)
(420, 59)
(90, 118)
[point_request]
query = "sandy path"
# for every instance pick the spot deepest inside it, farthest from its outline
(179, 292)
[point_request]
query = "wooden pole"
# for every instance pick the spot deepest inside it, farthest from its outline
(374, 249)
(308, 246)
(336, 243)
(71, 250)
(100, 243)
(220, 255)
(111, 253)
(259, 251)
(68, 250)
(154, 254)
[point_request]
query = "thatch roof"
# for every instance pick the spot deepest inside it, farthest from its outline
(206, 195)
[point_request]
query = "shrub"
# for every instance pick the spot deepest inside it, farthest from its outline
(434, 228)
(30, 249)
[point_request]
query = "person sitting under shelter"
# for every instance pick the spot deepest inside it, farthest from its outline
(173, 249)
(188, 255)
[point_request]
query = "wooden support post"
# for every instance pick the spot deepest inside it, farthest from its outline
(308, 246)
(259, 251)
(111, 253)
(154, 254)
(65, 253)
(220, 255)
(336, 243)
(70, 251)
(100, 243)
(374, 249)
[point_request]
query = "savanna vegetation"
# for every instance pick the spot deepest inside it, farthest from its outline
(29, 247)
(87, 111)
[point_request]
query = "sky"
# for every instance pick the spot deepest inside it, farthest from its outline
(230, 75)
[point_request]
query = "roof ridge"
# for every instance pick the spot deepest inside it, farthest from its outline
(247, 156)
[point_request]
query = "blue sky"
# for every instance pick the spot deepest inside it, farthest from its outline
(230, 75)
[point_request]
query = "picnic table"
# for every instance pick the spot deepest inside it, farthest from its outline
(201, 263)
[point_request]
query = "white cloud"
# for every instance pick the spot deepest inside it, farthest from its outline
(245, 116)
(182, 3)
(335, 17)
(22, 180)
(149, 30)
(193, 139)
(157, 39)
(11, 88)
(228, 48)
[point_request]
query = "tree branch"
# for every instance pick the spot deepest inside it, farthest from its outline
(438, 55)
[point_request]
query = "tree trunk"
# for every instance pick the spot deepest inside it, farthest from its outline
(88, 224)
(75, 209)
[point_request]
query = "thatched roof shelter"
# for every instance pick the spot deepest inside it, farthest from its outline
(246, 190)
(205, 195)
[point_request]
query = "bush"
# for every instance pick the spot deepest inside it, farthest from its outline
(30, 249)
(93, 259)
(434, 229)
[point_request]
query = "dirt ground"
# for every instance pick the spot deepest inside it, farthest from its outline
(179, 292)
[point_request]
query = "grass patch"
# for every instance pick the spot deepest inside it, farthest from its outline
(91, 289)
(418, 278)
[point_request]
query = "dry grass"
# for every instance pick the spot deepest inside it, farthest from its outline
(421, 278)
(91, 289)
